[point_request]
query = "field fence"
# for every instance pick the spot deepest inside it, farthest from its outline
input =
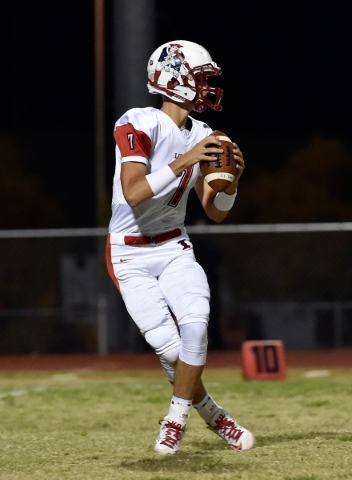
(287, 281)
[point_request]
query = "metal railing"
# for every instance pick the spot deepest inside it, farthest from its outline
(296, 279)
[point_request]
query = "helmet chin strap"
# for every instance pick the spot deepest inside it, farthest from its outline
(201, 104)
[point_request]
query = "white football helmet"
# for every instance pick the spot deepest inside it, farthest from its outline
(179, 70)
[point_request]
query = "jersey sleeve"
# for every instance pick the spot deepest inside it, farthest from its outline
(133, 135)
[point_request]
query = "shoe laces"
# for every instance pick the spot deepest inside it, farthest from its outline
(228, 427)
(172, 433)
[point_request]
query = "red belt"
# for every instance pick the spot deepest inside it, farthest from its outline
(162, 237)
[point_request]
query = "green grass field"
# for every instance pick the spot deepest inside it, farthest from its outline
(103, 425)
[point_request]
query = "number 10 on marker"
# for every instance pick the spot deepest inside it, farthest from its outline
(263, 360)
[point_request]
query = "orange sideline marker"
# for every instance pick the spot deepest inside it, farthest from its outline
(263, 360)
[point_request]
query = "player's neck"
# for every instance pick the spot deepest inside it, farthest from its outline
(178, 112)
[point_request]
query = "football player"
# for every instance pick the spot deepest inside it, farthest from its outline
(149, 254)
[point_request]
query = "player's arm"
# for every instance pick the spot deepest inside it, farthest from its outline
(134, 146)
(207, 195)
(137, 185)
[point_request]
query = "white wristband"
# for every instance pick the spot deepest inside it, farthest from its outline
(160, 179)
(224, 202)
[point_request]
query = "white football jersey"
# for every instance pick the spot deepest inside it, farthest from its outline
(149, 136)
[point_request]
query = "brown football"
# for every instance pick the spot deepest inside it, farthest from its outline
(220, 173)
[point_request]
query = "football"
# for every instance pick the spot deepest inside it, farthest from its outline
(220, 173)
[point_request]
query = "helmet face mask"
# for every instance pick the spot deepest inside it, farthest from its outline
(201, 75)
(179, 70)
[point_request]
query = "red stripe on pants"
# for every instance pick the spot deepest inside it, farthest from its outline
(109, 262)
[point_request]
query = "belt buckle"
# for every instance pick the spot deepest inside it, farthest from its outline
(152, 240)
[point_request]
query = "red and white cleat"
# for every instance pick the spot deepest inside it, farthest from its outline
(237, 437)
(170, 437)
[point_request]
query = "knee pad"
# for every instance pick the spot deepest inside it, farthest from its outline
(198, 309)
(163, 339)
(166, 343)
(194, 341)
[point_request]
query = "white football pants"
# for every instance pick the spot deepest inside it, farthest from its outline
(154, 278)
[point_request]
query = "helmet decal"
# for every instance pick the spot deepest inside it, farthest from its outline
(179, 70)
(172, 60)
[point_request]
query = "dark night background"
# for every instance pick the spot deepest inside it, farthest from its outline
(286, 76)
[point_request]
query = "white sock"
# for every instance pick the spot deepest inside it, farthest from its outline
(180, 410)
(208, 409)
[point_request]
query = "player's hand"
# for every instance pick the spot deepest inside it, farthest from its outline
(239, 160)
(204, 150)
(240, 167)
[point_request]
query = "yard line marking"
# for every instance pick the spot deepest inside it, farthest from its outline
(317, 373)
(18, 393)
(39, 389)
(14, 393)
(63, 377)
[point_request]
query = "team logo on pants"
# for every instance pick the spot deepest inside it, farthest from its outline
(184, 244)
